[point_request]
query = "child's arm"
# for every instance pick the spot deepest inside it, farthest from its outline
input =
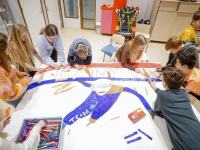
(85, 83)
(185, 35)
(35, 53)
(9, 91)
(30, 143)
(87, 61)
(125, 59)
(152, 85)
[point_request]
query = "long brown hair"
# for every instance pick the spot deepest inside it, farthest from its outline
(5, 60)
(25, 55)
(139, 40)
(49, 30)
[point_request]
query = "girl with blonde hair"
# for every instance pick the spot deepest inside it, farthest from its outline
(13, 83)
(22, 51)
(31, 143)
(132, 51)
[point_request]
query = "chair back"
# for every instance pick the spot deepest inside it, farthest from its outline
(119, 39)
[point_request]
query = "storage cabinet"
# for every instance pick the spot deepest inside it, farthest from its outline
(109, 18)
(170, 17)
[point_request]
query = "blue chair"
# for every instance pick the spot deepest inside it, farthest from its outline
(111, 49)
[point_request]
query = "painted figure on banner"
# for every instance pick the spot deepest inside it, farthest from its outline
(104, 94)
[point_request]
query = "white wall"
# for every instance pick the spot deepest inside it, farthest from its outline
(71, 22)
(145, 7)
(14, 7)
(99, 3)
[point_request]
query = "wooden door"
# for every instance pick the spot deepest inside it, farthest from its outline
(52, 9)
(34, 17)
(106, 21)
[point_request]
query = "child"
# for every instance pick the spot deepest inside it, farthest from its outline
(175, 106)
(22, 51)
(31, 143)
(176, 46)
(80, 53)
(190, 33)
(13, 83)
(185, 62)
(132, 51)
(50, 43)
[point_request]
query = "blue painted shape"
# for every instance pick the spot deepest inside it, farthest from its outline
(145, 134)
(98, 105)
(134, 133)
(34, 85)
(138, 138)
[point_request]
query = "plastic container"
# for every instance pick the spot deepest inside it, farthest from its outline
(98, 27)
(37, 120)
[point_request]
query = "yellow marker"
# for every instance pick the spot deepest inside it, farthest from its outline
(115, 118)
(42, 147)
(53, 120)
(109, 75)
(48, 130)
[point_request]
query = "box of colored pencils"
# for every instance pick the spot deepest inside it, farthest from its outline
(50, 135)
(136, 115)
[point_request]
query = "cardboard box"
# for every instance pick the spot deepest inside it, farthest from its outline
(143, 29)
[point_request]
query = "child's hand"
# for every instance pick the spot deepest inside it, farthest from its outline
(198, 48)
(57, 67)
(158, 69)
(41, 123)
(137, 70)
(152, 84)
(78, 67)
(157, 78)
(39, 70)
(64, 65)
(29, 79)
(6, 120)
(26, 75)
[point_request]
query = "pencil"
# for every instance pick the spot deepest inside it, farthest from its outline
(112, 70)
(57, 91)
(135, 90)
(59, 85)
(115, 118)
(68, 132)
(146, 90)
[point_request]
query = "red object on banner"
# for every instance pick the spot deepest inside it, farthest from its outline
(136, 115)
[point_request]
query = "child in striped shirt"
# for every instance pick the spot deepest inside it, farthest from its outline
(13, 83)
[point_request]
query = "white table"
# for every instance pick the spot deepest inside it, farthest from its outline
(104, 134)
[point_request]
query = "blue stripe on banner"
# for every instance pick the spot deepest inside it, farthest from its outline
(34, 85)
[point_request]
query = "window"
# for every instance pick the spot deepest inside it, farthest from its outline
(71, 8)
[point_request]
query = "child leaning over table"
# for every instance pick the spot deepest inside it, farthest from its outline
(31, 143)
(175, 106)
(13, 83)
